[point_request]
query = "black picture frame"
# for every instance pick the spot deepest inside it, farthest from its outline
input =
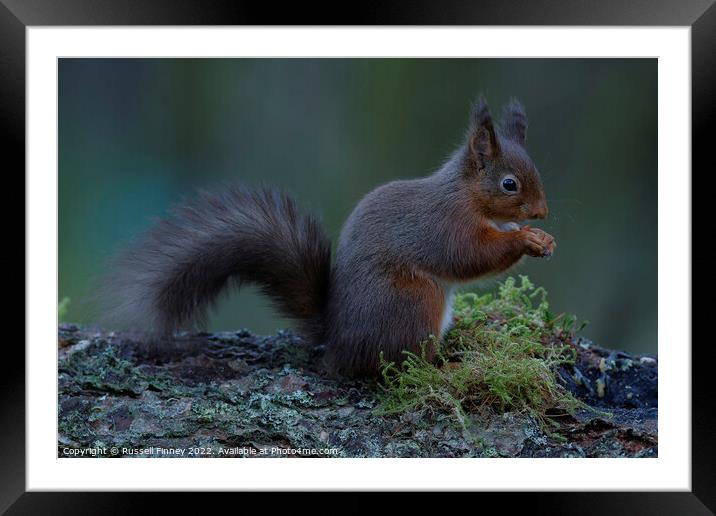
(17, 15)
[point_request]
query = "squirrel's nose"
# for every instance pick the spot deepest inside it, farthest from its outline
(540, 210)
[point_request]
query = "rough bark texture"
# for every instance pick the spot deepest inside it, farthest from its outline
(241, 395)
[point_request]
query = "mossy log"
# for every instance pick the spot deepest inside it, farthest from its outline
(236, 394)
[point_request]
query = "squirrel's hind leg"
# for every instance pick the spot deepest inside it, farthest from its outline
(413, 308)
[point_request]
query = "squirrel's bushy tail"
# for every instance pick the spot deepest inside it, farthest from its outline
(174, 274)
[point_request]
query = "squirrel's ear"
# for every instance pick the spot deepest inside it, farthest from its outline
(482, 141)
(514, 122)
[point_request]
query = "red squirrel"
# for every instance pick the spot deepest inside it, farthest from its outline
(401, 252)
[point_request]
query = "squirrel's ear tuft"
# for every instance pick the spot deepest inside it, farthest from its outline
(514, 122)
(482, 141)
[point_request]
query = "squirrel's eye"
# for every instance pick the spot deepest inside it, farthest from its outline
(509, 184)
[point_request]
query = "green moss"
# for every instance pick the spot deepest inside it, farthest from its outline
(501, 355)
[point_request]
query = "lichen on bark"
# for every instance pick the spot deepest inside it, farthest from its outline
(235, 394)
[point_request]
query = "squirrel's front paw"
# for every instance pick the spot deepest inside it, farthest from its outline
(537, 242)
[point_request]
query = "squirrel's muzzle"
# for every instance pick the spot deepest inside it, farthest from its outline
(539, 210)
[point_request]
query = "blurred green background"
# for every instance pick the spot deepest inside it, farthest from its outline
(136, 135)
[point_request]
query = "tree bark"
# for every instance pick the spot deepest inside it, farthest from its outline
(235, 394)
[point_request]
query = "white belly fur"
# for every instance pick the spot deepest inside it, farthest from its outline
(447, 309)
